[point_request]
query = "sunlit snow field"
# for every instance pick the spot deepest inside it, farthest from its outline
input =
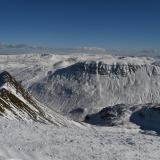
(36, 141)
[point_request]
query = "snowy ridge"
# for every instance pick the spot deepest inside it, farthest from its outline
(16, 103)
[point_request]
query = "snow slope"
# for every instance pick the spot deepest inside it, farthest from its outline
(16, 103)
(46, 142)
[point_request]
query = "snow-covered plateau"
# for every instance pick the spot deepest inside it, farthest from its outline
(115, 100)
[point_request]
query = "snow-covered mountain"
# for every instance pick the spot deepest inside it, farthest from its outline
(94, 83)
(79, 85)
(16, 103)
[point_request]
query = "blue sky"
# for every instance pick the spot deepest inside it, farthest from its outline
(124, 24)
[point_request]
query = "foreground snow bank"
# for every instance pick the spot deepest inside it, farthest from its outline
(35, 141)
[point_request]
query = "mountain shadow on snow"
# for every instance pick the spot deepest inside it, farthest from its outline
(109, 116)
(147, 116)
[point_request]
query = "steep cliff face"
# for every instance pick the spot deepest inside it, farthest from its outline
(92, 84)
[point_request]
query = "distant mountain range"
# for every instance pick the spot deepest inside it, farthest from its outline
(27, 49)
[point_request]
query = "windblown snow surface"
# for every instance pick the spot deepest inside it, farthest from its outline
(26, 141)
(73, 84)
